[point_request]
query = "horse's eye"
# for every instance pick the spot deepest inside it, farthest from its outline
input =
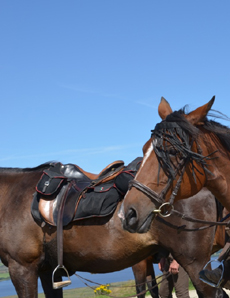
(172, 151)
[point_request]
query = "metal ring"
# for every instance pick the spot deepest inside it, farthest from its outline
(167, 213)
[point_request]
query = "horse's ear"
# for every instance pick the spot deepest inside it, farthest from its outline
(164, 108)
(197, 116)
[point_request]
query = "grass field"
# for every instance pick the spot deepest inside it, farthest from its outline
(4, 273)
(123, 289)
(119, 289)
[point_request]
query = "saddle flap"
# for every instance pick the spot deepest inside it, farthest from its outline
(49, 208)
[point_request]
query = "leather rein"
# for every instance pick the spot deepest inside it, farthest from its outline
(158, 200)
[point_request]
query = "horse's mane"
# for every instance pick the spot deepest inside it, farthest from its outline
(39, 168)
(221, 131)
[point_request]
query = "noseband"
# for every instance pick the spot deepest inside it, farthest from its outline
(170, 133)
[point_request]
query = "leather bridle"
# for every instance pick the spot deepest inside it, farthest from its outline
(158, 199)
(173, 134)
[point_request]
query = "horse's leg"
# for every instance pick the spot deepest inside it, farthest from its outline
(151, 280)
(144, 272)
(140, 271)
(46, 280)
(203, 290)
(24, 279)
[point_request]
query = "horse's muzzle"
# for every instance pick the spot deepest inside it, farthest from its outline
(131, 222)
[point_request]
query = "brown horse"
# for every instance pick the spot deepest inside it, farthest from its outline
(97, 245)
(185, 153)
(190, 246)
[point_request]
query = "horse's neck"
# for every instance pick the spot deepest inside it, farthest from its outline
(219, 165)
(10, 177)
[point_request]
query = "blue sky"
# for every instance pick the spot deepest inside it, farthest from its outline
(80, 81)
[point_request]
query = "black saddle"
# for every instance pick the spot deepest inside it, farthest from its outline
(81, 194)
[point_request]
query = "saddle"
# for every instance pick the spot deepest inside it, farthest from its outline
(66, 193)
(82, 194)
(69, 183)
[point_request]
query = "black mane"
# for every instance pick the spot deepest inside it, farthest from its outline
(220, 130)
(176, 125)
(24, 170)
(178, 117)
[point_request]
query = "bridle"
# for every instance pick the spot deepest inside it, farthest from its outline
(158, 199)
(171, 133)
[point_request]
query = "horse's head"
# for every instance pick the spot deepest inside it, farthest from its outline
(173, 167)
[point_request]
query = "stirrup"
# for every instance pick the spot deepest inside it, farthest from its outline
(60, 284)
(212, 283)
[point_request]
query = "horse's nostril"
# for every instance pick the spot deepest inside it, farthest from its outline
(131, 217)
(131, 213)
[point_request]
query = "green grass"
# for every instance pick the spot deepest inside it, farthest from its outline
(119, 289)
(4, 273)
(191, 286)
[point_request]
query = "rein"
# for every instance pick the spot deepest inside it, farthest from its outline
(209, 224)
(159, 201)
(163, 277)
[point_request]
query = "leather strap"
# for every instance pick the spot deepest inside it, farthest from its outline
(63, 194)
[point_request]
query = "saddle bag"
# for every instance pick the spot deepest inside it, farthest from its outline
(98, 201)
(51, 180)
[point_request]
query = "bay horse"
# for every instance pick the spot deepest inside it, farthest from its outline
(29, 249)
(185, 153)
(190, 244)
(96, 245)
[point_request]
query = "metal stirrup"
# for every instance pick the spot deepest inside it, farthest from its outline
(60, 284)
(212, 283)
